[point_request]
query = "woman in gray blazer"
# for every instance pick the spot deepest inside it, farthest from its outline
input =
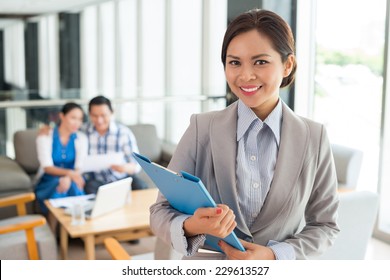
(270, 171)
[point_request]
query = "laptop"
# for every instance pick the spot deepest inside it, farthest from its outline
(108, 198)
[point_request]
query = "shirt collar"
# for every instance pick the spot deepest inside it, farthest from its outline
(246, 117)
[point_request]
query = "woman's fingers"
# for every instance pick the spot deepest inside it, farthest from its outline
(219, 221)
(208, 212)
(227, 224)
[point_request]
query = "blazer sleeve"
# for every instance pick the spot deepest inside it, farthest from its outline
(162, 215)
(321, 227)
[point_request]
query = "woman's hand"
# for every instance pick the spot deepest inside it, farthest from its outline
(219, 222)
(253, 251)
(64, 184)
(77, 178)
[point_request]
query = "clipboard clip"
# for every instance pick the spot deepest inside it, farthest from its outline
(189, 176)
(183, 174)
(142, 157)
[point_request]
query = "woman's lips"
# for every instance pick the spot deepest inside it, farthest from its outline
(249, 90)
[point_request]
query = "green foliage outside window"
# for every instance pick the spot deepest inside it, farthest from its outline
(374, 62)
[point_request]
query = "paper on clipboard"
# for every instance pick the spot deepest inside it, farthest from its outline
(95, 163)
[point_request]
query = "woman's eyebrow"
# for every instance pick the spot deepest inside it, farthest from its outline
(232, 56)
(253, 57)
(260, 55)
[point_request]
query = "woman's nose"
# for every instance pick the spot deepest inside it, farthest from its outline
(247, 74)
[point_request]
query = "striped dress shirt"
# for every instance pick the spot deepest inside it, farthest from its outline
(258, 146)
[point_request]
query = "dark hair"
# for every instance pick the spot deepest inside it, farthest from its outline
(100, 100)
(70, 106)
(269, 24)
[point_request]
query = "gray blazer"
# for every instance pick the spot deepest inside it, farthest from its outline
(304, 183)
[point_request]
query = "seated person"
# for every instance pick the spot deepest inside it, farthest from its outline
(106, 136)
(60, 154)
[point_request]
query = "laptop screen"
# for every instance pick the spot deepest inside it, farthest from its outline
(111, 196)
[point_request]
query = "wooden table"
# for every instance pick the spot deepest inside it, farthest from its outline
(129, 223)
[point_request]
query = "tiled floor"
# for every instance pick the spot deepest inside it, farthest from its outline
(377, 250)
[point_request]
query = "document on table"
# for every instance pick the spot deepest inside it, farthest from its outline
(67, 202)
(95, 163)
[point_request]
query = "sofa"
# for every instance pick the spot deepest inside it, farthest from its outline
(152, 147)
(356, 219)
(18, 175)
(348, 162)
(14, 181)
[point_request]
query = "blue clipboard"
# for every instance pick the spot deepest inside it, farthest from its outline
(185, 193)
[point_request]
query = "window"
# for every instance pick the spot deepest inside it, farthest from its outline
(349, 94)
(348, 80)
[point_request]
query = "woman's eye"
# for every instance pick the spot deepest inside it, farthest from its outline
(234, 62)
(260, 62)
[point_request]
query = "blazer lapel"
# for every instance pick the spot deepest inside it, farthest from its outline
(293, 143)
(223, 138)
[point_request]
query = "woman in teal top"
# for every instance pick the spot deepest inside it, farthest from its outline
(60, 155)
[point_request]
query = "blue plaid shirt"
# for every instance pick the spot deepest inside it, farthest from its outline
(118, 138)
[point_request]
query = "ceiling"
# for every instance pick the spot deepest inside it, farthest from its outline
(18, 8)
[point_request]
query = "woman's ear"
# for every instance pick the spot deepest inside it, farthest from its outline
(288, 65)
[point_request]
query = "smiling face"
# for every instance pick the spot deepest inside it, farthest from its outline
(254, 71)
(100, 116)
(72, 120)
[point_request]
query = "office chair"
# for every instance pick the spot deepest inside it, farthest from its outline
(115, 249)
